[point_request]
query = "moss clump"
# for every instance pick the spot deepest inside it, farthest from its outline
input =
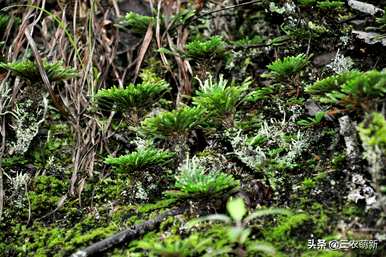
(330, 4)
(283, 230)
(373, 131)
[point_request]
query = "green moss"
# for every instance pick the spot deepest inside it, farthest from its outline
(93, 235)
(136, 22)
(351, 210)
(286, 225)
(373, 131)
(338, 160)
(330, 4)
(308, 183)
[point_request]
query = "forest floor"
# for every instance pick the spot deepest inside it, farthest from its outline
(192, 128)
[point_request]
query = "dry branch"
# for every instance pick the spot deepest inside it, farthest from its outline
(127, 235)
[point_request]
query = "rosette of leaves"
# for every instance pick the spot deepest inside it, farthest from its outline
(193, 181)
(140, 159)
(288, 70)
(221, 99)
(173, 125)
(351, 89)
(205, 48)
(287, 67)
(136, 22)
(29, 70)
(140, 96)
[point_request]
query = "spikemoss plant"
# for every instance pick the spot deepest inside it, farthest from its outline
(288, 66)
(288, 70)
(204, 49)
(194, 181)
(173, 125)
(351, 89)
(141, 159)
(29, 70)
(136, 22)
(131, 97)
(220, 99)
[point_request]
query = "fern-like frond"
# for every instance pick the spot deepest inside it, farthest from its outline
(140, 159)
(173, 124)
(348, 87)
(288, 66)
(133, 96)
(219, 98)
(29, 70)
(198, 48)
(194, 181)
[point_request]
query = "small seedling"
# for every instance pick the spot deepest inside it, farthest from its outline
(237, 221)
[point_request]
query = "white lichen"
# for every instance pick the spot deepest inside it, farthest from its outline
(341, 63)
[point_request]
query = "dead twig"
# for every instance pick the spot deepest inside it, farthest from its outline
(128, 234)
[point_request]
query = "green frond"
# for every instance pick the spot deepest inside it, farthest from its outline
(136, 22)
(331, 83)
(352, 85)
(140, 159)
(288, 66)
(29, 70)
(219, 98)
(133, 96)
(173, 124)
(198, 48)
(194, 181)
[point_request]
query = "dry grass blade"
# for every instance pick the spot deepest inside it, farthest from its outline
(145, 45)
(56, 101)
